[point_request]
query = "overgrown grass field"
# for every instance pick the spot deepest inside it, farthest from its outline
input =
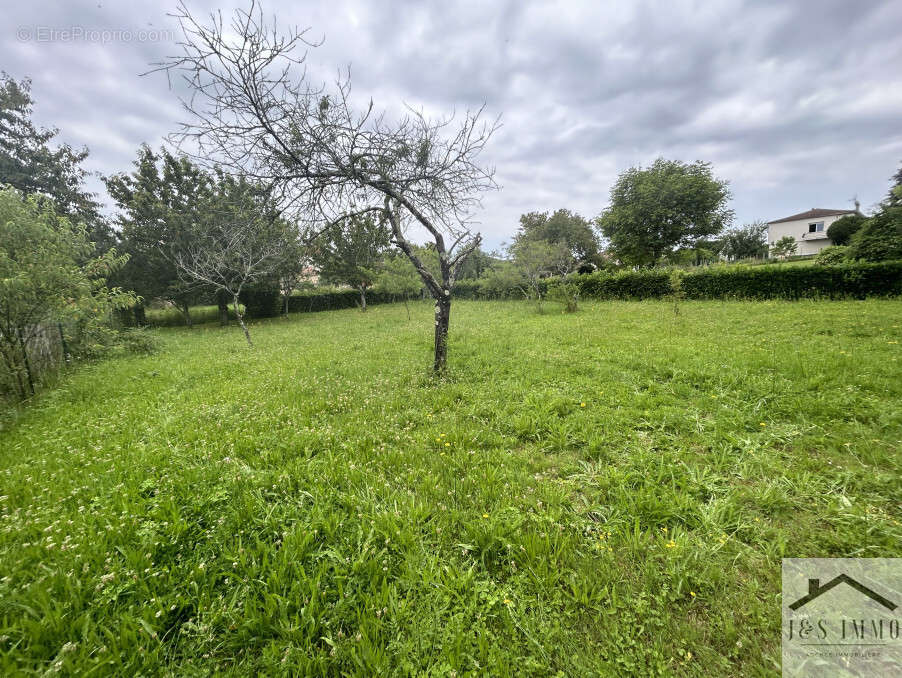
(604, 493)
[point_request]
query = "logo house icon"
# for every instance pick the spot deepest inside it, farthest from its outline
(815, 590)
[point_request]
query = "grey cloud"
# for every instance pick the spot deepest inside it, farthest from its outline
(797, 104)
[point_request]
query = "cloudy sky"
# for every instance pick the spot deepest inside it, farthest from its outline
(797, 104)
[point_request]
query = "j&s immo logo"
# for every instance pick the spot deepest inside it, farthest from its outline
(841, 616)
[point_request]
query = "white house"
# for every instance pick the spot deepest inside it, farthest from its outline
(808, 228)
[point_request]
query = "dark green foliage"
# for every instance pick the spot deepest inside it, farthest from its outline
(880, 238)
(159, 202)
(262, 300)
(314, 300)
(29, 164)
(796, 282)
(626, 285)
(842, 230)
(894, 198)
(350, 251)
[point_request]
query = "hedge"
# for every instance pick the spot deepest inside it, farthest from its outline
(330, 300)
(851, 280)
(856, 280)
(261, 301)
(651, 284)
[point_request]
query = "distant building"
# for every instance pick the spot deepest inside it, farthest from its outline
(809, 229)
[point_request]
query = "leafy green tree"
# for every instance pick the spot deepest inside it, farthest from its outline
(894, 199)
(159, 202)
(667, 206)
(749, 241)
(29, 164)
(784, 247)
(350, 250)
(561, 227)
(48, 273)
(880, 238)
(842, 230)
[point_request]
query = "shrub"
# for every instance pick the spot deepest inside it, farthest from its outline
(830, 256)
(566, 294)
(880, 238)
(842, 230)
(138, 340)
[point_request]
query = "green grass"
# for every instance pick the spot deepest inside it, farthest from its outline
(605, 493)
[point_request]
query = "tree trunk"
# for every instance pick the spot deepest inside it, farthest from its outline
(222, 301)
(186, 311)
(363, 298)
(240, 316)
(140, 315)
(24, 346)
(442, 320)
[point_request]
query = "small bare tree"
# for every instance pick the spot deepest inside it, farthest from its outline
(238, 242)
(255, 112)
(540, 259)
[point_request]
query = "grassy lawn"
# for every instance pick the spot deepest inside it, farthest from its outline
(605, 493)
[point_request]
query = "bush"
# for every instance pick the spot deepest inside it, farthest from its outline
(796, 282)
(138, 340)
(566, 294)
(880, 239)
(830, 256)
(842, 230)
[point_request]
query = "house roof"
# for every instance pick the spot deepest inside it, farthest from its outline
(813, 213)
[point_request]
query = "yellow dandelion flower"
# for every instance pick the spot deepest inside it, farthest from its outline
(485, 515)
(582, 404)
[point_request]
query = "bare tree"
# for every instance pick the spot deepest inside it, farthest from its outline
(238, 242)
(539, 259)
(254, 111)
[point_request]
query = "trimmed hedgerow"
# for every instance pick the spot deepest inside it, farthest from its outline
(651, 284)
(775, 282)
(261, 301)
(331, 300)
